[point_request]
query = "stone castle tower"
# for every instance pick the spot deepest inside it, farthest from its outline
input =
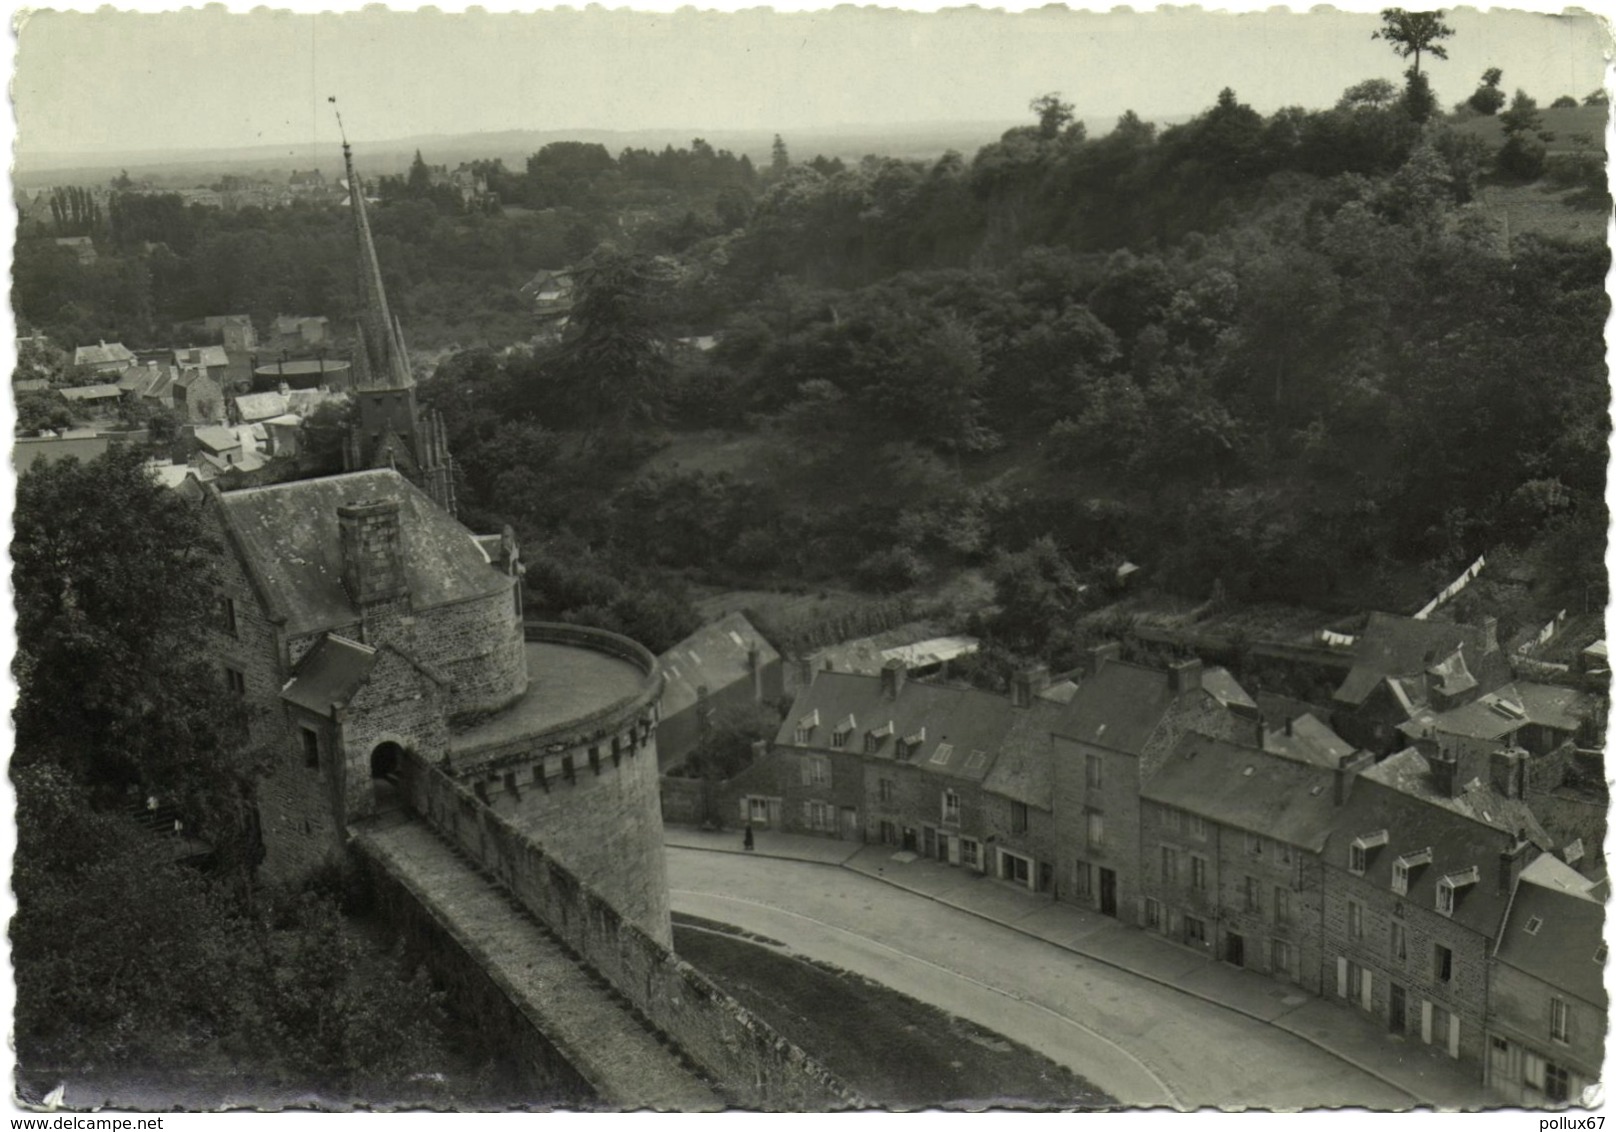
(390, 431)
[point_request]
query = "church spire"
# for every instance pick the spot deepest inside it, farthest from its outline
(380, 361)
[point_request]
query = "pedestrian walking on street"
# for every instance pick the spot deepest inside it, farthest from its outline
(746, 842)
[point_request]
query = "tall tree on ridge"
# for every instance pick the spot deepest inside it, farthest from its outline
(1414, 33)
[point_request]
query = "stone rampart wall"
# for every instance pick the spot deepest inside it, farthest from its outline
(754, 1065)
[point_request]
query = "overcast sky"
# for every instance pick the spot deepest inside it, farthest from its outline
(103, 81)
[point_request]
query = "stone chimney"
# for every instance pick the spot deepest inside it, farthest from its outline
(1489, 632)
(893, 674)
(1348, 768)
(1511, 861)
(1444, 773)
(1184, 675)
(1508, 767)
(372, 551)
(1099, 654)
(1026, 684)
(754, 665)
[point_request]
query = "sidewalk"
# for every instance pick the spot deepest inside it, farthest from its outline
(1429, 1078)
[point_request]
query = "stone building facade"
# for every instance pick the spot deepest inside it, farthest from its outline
(1112, 737)
(1547, 1010)
(1230, 838)
(1417, 881)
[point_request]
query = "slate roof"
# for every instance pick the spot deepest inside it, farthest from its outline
(30, 385)
(217, 438)
(305, 401)
(91, 393)
(1277, 709)
(1310, 741)
(1024, 770)
(140, 380)
(207, 356)
(1247, 789)
(869, 654)
(191, 376)
(963, 719)
(163, 388)
(714, 657)
(287, 534)
(1224, 688)
(1569, 931)
(1117, 707)
(1413, 823)
(1408, 772)
(103, 354)
(329, 674)
(933, 650)
(1507, 710)
(1392, 646)
(1060, 692)
(260, 406)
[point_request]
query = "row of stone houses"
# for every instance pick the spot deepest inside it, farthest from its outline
(1163, 798)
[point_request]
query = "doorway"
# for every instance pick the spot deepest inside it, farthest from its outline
(1234, 949)
(1397, 1018)
(1108, 892)
(386, 761)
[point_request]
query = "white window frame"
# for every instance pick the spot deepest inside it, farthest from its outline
(1444, 897)
(951, 807)
(1559, 1019)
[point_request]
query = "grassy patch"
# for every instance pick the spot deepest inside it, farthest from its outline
(897, 1052)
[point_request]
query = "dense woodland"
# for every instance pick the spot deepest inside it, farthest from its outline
(1276, 358)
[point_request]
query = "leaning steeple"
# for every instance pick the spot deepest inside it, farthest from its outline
(379, 358)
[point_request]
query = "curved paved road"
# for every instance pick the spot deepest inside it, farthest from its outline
(1144, 1043)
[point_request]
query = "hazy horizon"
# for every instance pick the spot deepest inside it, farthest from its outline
(238, 81)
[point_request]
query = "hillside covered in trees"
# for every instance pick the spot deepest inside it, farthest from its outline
(1290, 357)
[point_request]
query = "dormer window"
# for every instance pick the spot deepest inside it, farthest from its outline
(805, 727)
(910, 744)
(1534, 925)
(944, 752)
(1450, 886)
(876, 736)
(1358, 851)
(1404, 865)
(843, 730)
